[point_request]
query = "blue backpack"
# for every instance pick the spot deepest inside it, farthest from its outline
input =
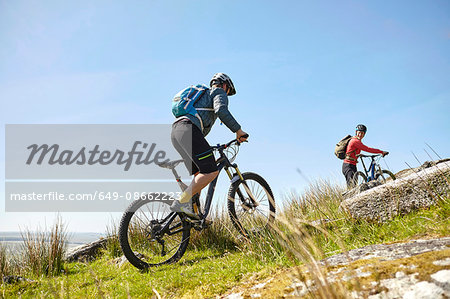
(183, 102)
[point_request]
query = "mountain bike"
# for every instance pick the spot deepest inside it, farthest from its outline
(374, 172)
(151, 235)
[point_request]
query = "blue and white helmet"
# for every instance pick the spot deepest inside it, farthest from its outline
(221, 78)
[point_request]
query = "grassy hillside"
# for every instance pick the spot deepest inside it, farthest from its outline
(218, 258)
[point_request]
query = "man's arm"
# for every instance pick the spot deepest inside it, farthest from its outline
(220, 104)
(362, 147)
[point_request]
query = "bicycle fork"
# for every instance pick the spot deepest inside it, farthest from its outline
(235, 177)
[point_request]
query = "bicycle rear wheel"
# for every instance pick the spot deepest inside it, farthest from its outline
(251, 204)
(142, 237)
(384, 176)
(359, 178)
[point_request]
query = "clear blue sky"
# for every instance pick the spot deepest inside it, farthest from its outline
(306, 73)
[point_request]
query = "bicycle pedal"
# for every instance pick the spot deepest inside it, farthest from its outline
(200, 224)
(192, 219)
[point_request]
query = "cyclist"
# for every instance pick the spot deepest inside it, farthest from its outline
(354, 147)
(198, 156)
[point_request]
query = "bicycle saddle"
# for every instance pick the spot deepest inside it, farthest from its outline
(169, 164)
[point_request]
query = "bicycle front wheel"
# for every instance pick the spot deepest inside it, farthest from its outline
(359, 178)
(251, 204)
(151, 235)
(384, 176)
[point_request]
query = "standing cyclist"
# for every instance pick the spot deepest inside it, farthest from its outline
(354, 147)
(198, 156)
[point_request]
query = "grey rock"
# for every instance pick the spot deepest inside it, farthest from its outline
(397, 285)
(444, 262)
(12, 279)
(361, 188)
(234, 296)
(402, 285)
(426, 164)
(388, 251)
(120, 261)
(442, 279)
(423, 289)
(417, 190)
(86, 252)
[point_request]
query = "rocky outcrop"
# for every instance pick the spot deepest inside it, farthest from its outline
(86, 252)
(425, 165)
(419, 188)
(414, 269)
(388, 251)
(361, 188)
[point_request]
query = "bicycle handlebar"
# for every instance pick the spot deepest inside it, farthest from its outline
(370, 156)
(224, 146)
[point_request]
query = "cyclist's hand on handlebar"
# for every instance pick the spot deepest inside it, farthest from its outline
(385, 153)
(241, 136)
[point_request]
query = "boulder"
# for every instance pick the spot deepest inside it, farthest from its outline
(361, 188)
(426, 164)
(86, 252)
(421, 188)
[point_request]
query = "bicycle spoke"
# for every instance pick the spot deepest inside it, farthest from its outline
(139, 219)
(264, 215)
(175, 246)
(249, 192)
(260, 192)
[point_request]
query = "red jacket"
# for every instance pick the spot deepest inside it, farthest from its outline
(355, 146)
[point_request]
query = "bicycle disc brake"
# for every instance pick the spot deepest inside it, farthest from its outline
(247, 202)
(252, 203)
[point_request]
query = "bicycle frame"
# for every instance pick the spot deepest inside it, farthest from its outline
(222, 163)
(370, 172)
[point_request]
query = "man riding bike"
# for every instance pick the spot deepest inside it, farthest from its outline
(354, 148)
(198, 156)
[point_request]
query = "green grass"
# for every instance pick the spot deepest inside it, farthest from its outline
(199, 274)
(322, 202)
(217, 260)
(431, 222)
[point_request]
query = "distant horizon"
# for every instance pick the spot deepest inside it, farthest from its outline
(83, 232)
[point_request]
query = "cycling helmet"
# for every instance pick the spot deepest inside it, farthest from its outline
(361, 128)
(221, 78)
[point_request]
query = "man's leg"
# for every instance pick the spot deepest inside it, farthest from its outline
(205, 162)
(202, 159)
(349, 171)
(200, 181)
